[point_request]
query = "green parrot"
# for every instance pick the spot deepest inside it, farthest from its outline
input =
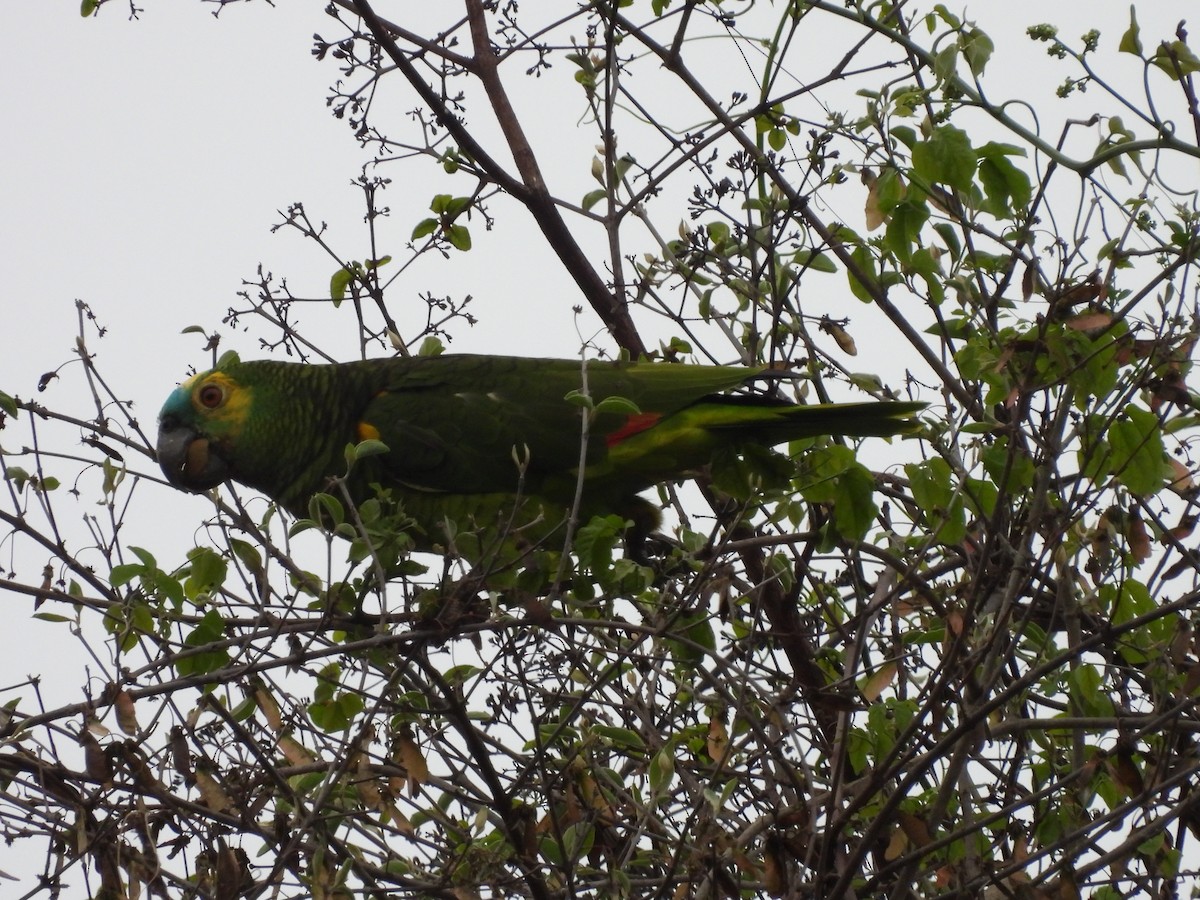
(485, 442)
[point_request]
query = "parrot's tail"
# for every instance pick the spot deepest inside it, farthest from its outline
(778, 422)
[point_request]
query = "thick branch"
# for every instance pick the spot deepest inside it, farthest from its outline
(529, 188)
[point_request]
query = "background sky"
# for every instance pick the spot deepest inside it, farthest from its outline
(144, 163)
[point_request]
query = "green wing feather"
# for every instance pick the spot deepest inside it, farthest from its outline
(454, 422)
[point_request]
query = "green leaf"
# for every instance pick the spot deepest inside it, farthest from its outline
(1087, 691)
(904, 228)
(459, 237)
(619, 405)
(1137, 451)
(945, 63)
(819, 469)
(228, 358)
(695, 637)
(815, 260)
(334, 712)
(578, 398)
(248, 555)
(662, 770)
(113, 476)
(718, 232)
(745, 472)
(1131, 601)
(854, 503)
(1131, 41)
(207, 574)
(369, 447)
(1007, 187)
(595, 542)
(1015, 474)
(866, 262)
(339, 282)
(933, 489)
(625, 738)
(946, 158)
(456, 207)
(8, 404)
(326, 509)
(621, 166)
(125, 573)
(424, 228)
(977, 49)
(87, 7)
(431, 346)
(210, 630)
(1176, 59)
(591, 198)
(950, 238)
(18, 476)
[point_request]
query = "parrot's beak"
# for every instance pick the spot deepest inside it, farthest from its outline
(188, 459)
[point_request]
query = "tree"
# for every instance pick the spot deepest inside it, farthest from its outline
(966, 668)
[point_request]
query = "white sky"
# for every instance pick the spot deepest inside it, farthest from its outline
(144, 162)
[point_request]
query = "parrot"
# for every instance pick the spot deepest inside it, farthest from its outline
(481, 441)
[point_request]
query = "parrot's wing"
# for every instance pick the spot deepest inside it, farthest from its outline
(461, 424)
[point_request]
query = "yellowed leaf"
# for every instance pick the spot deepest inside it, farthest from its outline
(181, 758)
(774, 868)
(212, 794)
(842, 336)
(874, 215)
(95, 760)
(916, 829)
(1126, 774)
(955, 622)
(268, 707)
(229, 873)
(1089, 321)
(718, 740)
(879, 679)
(295, 752)
(410, 757)
(1138, 537)
(126, 714)
(1182, 482)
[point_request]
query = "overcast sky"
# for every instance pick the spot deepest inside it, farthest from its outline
(144, 162)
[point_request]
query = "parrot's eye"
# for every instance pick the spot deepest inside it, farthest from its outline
(210, 396)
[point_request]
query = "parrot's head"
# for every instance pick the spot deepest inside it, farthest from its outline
(198, 429)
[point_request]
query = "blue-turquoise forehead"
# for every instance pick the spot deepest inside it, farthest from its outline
(179, 403)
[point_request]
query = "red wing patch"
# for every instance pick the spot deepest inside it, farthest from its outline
(634, 424)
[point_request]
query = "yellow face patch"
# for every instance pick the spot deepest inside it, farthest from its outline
(219, 399)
